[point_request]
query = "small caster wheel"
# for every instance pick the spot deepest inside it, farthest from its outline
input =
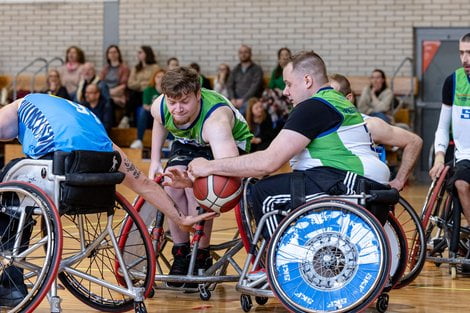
(151, 293)
(139, 307)
(245, 302)
(204, 293)
(382, 303)
(453, 272)
(261, 300)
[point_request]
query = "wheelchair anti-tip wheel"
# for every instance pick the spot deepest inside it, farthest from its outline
(328, 256)
(102, 262)
(31, 242)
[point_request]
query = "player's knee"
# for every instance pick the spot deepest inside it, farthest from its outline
(462, 186)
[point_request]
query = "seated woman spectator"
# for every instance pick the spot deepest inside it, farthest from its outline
(99, 105)
(54, 85)
(138, 80)
(260, 125)
(115, 74)
(376, 99)
(220, 81)
(172, 63)
(71, 70)
(277, 82)
(145, 119)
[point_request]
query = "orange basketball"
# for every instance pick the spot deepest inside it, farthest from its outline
(217, 193)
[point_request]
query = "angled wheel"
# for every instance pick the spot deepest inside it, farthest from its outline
(328, 256)
(92, 254)
(31, 242)
(398, 249)
(435, 201)
(414, 233)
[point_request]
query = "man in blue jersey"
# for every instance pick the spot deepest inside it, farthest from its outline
(44, 124)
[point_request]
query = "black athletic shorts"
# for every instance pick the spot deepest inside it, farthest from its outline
(461, 171)
(183, 154)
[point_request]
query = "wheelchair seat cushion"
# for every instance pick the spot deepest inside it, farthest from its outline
(90, 184)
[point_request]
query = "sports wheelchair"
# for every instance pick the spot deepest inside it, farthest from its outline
(224, 268)
(447, 241)
(63, 218)
(330, 254)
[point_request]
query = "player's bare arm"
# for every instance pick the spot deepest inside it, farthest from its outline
(287, 144)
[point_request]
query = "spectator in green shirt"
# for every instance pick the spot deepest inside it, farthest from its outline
(277, 82)
(145, 118)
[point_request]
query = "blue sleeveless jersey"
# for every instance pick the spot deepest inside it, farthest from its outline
(48, 123)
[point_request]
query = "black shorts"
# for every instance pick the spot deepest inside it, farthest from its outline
(461, 171)
(275, 193)
(183, 154)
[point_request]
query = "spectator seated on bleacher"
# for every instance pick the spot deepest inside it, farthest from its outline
(261, 125)
(377, 99)
(145, 119)
(115, 74)
(54, 85)
(276, 81)
(138, 80)
(205, 82)
(221, 79)
(89, 77)
(99, 105)
(71, 70)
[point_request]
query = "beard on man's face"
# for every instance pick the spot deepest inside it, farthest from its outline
(180, 121)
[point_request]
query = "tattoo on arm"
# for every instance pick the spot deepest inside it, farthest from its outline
(130, 168)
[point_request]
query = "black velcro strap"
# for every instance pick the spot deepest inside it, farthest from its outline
(297, 189)
(94, 179)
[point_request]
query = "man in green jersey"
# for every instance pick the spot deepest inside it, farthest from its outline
(204, 124)
(325, 138)
(455, 112)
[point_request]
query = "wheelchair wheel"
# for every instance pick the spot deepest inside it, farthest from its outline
(85, 266)
(328, 256)
(414, 233)
(244, 215)
(246, 222)
(398, 248)
(436, 199)
(34, 252)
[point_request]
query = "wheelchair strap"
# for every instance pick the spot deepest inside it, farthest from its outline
(297, 189)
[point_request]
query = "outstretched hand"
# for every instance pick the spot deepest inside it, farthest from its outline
(189, 221)
(178, 178)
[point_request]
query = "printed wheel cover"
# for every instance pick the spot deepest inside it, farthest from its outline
(328, 261)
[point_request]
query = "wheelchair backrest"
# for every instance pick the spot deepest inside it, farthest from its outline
(79, 181)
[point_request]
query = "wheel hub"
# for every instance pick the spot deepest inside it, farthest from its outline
(330, 262)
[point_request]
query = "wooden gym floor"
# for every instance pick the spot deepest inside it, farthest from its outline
(432, 292)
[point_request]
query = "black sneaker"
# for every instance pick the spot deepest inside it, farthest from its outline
(203, 260)
(11, 297)
(180, 264)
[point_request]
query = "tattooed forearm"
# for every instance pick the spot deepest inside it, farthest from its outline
(130, 168)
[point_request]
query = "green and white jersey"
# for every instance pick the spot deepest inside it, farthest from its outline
(339, 136)
(461, 114)
(210, 101)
